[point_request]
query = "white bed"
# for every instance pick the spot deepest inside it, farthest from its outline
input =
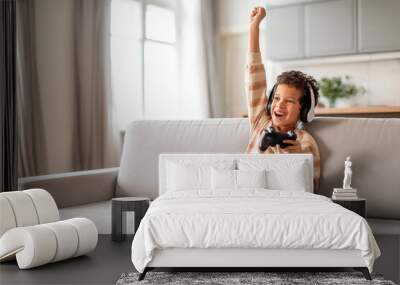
(196, 224)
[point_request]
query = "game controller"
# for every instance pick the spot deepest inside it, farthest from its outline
(270, 137)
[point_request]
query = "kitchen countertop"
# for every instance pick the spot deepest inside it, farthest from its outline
(361, 111)
(357, 110)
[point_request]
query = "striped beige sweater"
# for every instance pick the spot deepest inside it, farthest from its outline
(256, 86)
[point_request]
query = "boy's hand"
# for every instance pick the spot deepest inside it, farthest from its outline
(256, 16)
(294, 147)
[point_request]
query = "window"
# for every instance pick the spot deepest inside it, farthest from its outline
(160, 64)
(144, 60)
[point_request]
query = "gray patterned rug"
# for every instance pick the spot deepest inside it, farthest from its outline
(275, 278)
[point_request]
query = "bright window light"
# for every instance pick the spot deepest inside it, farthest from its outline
(161, 84)
(160, 24)
(126, 18)
(126, 60)
(144, 68)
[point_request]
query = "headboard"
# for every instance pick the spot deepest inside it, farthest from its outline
(164, 158)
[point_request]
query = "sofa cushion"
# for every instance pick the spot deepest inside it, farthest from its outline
(373, 145)
(145, 140)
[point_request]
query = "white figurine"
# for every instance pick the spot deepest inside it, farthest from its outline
(347, 174)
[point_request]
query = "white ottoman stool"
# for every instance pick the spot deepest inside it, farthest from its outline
(31, 233)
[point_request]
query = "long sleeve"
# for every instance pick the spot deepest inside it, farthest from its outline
(256, 86)
(309, 145)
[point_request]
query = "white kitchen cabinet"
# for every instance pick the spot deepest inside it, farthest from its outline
(285, 33)
(378, 25)
(330, 28)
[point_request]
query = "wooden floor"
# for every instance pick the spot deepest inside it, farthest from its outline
(102, 266)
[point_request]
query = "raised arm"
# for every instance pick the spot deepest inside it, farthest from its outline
(255, 78)
(256, 16)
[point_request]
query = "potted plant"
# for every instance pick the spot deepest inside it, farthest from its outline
(334, 88)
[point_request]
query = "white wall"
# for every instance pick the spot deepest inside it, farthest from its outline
(377, 74)
(232, 42)
(379, 77)
(55, 72)
(233, 15)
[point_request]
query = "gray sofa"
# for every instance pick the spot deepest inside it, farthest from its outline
(373, 145)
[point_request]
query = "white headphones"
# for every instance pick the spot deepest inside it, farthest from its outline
(310, 114)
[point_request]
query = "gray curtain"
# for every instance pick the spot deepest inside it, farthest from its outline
(31, 141)
(96, 138)
(8, 118)
(96, 142)
(208, 23)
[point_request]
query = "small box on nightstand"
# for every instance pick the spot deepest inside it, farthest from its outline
(358, 205)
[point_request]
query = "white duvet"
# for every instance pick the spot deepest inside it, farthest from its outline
(251, 218)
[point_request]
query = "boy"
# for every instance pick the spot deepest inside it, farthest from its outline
(289, 102)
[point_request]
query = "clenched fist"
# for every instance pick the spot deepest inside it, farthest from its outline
(256, 15)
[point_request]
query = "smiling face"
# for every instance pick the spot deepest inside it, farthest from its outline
(285, 108)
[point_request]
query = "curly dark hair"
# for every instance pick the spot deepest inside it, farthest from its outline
(300, 81)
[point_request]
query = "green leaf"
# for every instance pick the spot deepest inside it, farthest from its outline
(335, 87)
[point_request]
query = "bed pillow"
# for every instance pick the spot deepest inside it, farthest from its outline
(237, 179)
(291, 179)
(281, 174)
(251, 178)
(223, 179)
(188, 175)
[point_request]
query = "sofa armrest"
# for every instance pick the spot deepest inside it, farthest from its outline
(75, 188)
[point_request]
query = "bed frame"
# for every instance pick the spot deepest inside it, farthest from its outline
(241, 259)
